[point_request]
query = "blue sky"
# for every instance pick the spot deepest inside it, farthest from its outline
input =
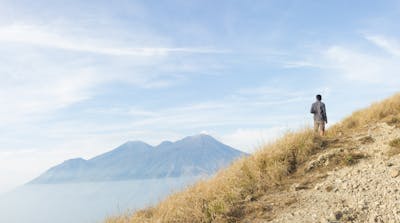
(79, 78)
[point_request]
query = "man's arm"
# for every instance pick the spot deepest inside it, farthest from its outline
(324, 114)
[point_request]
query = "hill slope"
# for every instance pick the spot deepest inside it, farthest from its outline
(366, 192)
(191, 156)
(348, 176)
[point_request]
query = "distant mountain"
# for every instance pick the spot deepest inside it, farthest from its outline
(191, 156)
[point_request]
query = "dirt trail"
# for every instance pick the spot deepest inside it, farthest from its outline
(366, 192)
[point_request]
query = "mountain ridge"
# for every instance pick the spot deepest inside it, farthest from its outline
(193, 155)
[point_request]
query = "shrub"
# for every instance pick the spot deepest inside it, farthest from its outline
(394, 147)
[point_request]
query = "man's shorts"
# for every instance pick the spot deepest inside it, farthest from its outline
(319, 126)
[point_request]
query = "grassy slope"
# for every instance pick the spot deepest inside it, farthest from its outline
(243, 190)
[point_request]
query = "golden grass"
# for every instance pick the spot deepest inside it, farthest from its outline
(224, 197)
(387, 111)
(220, 198)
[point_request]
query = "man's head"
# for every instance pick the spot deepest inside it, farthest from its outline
(318, 97)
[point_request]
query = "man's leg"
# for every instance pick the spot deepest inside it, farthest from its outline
(322, 128)
(316, 127)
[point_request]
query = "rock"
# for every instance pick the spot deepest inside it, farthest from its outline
(394, 173)
(298, 187)
(329, 188)
(336, 190)
(389, 164)
(322, 160)
(337, 215)
(318, 186)
(311, 165)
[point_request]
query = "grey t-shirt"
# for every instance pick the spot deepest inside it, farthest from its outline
(319, 111)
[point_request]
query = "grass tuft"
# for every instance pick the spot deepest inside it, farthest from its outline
(394, 147)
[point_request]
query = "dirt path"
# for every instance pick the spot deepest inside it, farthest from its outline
(366, 192)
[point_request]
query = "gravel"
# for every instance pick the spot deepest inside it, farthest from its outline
(365, 192)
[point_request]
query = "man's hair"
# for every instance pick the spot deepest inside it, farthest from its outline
(318, 97)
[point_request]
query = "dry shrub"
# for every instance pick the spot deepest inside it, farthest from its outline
(393, 120)
(387, 110)
(394, 147)
(366, 140)
(352, 158)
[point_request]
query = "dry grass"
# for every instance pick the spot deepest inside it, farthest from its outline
(251, 182)
(387, 111)
(221, 198)
(351, 158)
(394, 147)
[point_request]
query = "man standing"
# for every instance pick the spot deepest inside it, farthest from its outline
(319, 111)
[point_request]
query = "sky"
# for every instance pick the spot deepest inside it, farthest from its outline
(79, 78)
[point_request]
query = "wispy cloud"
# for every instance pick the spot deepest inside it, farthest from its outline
(363, 64)
(42, 36)
(366, 65)
(220, 113)
(390, 45)
(36, 82)
(300, 64)
(28, 97)
(356, 65)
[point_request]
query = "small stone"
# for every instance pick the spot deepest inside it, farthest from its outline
(318, 186)
(394, 173)
(389, 164)
(298, 187)
(338, 215)
(329, 188)
(336, 190)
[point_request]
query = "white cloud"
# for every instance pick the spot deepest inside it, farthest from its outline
(363, 66)
(36, 82)
(390, 45)
(42, 36)
(42, 95)
(354, 63)
(300, 64)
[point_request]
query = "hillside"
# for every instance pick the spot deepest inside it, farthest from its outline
(191, 156)
(351, 175)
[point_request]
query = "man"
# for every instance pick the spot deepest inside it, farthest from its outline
(319, 111)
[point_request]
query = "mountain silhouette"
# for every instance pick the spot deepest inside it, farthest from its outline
(191, 156)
